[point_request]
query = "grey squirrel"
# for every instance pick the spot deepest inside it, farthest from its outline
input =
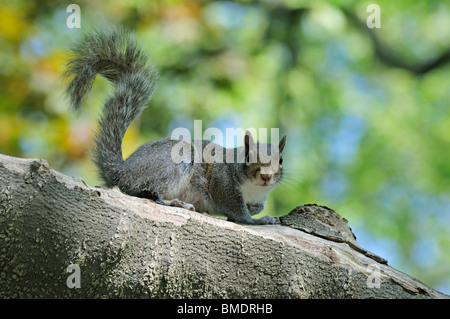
(236, 190)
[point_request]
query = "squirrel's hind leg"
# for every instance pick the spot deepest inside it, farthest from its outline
(176, 203)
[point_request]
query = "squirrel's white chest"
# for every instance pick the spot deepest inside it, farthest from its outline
(253, 193)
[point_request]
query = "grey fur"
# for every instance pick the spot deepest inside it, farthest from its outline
(223, 188)
(115, 55)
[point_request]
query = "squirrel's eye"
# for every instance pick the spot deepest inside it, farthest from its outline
(281, 160)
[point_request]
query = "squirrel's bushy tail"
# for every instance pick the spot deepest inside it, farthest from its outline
(115, 55)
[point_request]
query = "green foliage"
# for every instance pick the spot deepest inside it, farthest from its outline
(367, 135)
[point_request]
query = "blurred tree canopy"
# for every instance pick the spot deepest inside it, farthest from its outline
(366, 111)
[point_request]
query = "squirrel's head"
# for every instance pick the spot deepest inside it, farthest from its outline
(263, 162)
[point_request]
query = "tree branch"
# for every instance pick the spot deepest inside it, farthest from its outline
(130, 247)
(390, 58)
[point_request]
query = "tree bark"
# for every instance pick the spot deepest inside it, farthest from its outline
(54, 227)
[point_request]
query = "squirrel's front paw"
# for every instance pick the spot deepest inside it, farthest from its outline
(265, 220)
(254, 209)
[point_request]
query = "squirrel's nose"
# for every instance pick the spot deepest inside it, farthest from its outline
(266, 177)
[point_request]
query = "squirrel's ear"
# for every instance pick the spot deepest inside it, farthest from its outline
(282, 143)
(248, 141)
